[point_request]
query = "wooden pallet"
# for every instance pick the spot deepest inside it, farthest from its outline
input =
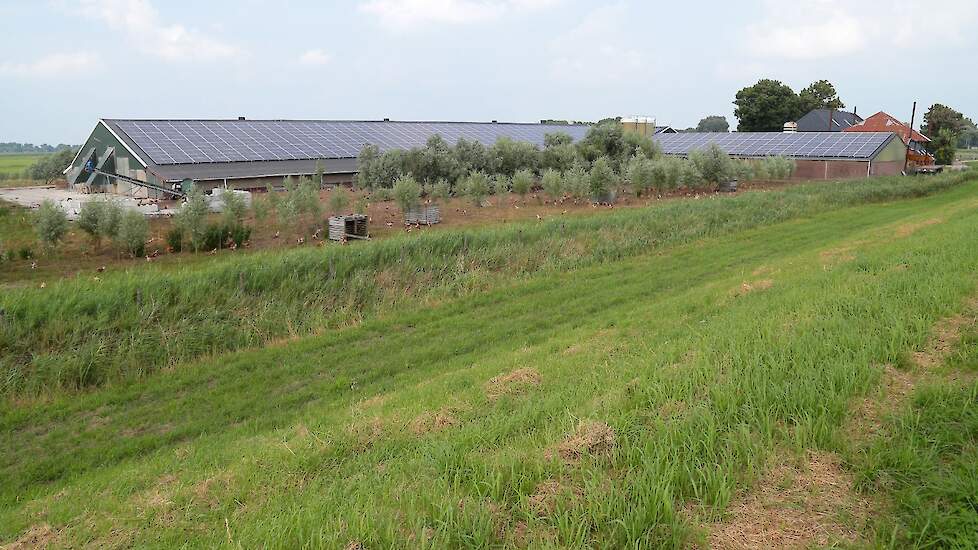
(342, 228)
(428, 214)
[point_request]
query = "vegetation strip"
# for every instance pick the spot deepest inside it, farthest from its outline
(79, 334)
(664, 385)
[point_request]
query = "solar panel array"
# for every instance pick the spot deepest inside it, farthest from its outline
(827, 145)
(207, 141)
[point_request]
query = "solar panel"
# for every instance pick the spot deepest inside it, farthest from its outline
(205, 141)
(208, 141)
(840, 145)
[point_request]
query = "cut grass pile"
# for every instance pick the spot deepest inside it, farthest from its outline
(644, 401)
(82, 333)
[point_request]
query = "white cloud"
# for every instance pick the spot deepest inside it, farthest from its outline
(56, 65)
(409, 14)
(818, 29)
(315, 58)
(141, 24)
(597, 50)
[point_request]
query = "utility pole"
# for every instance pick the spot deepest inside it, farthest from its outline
(906, 159)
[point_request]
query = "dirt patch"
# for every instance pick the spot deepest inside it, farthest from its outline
(795, 506)
(908, 229)
(515, 382)
(434, 421)
(209, 490)
(38, 536)
(549, 493)
(367, 432)
(867, 416)
(591, 438)
(748, 287)
(841, 254)
(945, 335)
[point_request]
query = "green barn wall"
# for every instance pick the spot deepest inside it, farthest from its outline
(102, 139)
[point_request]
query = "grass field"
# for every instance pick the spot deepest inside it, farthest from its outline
(777, 370)
(967, 154)
(13, 165)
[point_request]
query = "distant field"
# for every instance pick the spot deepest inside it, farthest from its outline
(967, 154)
(13, 165)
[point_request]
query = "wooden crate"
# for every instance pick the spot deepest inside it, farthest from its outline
(342, 228)
(428, 214)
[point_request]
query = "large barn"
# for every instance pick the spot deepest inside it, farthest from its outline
(818, 155)
(154, 158)
(249, 154)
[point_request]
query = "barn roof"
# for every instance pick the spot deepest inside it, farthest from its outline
(883, 122)
(802, 145)
(818, 120)
(167, 142)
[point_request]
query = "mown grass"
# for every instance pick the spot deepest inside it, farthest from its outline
(83, 333)
(701, 377)
(925, 459)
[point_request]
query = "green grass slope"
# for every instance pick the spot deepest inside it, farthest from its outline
(587, 406)
(84, 333)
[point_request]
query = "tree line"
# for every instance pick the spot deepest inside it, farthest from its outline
(30, 148)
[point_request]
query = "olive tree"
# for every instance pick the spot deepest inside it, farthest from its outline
(601, 178)
(406, 193)
(553, 184)
(477, 187)
(132, 233)
(339, 199)
(522, 182)
(713, 164)
(192, 218)
(50, 223)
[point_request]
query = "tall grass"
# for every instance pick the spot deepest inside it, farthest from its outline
(83, 333)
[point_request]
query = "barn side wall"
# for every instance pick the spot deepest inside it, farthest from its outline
(887, 168)
(831, 169)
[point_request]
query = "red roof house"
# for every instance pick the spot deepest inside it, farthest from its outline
(883, 122)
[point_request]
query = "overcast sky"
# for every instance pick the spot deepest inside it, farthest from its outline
(66, 63)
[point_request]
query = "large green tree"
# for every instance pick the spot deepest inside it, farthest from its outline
(939, 118)
(766, 106)
(819, 95)
(713, 123)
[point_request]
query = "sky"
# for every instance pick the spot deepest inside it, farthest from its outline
(66, 63)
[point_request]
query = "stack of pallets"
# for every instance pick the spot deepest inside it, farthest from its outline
(428, 214)
(342, 228)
